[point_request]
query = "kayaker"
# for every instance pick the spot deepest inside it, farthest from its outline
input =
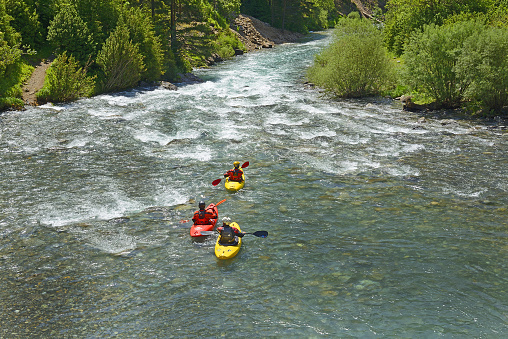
(235, 174)
(203, 216)
(228, 234)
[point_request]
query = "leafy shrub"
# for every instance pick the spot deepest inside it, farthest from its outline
(430, 58)
(120, 60)
(355, 64)
(141, 32)
(68, 32)
(226, 44)
(404, 17)
(10, 41)
(26, 22)
(484, 65)
(65, 81)
(8, 54)
(10, 102)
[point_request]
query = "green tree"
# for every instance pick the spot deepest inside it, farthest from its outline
(65, 81)
(100, 17)
(431, 56)
(9, 40)
(26, 22)
(68, 32)
(404, 17)
(120, 60)
(141, 32)
(484, 64)
(355, 64)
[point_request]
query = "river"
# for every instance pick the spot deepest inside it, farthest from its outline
(380, 224)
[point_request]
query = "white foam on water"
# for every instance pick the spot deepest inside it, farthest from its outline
(282, 119)
(52, 106)
(353, 139)
(145, 135)
(170, 196)
(468, 193)
(402, 171)
(321, 133)
(112, 243)
(200, 153)
(110, 205)
(77, 143)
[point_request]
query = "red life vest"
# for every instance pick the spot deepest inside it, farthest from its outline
(235, 174)
(202, 217)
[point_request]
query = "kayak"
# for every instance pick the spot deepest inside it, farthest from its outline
(228, 251)
(195, 230)
(234, 186)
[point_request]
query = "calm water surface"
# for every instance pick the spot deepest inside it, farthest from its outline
(379, 225)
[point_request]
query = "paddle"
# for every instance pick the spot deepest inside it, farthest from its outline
(217, 204)
(216, 182)
(261, 234)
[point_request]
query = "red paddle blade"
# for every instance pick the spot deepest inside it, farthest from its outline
(216, 182)
(245, 164)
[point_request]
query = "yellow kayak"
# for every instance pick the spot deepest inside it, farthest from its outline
(234, 186)
(229, 251)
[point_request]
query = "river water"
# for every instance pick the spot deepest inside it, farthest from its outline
(379, 225)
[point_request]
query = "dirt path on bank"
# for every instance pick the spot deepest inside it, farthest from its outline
(254, 33)
(35, 82)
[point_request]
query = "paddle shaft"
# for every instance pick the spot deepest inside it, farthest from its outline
(260, 234)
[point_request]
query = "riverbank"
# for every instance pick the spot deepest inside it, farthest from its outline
(253, 33)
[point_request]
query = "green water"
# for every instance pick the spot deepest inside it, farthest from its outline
(379, 225)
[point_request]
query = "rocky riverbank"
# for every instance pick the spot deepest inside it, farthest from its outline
(253, 33)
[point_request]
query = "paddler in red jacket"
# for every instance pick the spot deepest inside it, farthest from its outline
(236, 173)
(202, 216)
(227, 233)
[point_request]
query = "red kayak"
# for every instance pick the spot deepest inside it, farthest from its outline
(195, 230)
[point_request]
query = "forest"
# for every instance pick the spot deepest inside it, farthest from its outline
(448, 53)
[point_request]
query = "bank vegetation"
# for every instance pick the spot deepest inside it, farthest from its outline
(440, 54)
(437, 54)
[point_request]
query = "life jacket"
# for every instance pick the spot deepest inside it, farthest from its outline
(227, 235)
(235, 174)
(202, 217)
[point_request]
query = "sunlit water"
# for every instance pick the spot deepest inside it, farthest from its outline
(379, 225)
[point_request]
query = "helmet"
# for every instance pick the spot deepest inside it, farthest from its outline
(236, 164)
(201, 205)
(226, 220)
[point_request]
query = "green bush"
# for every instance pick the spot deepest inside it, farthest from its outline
(68, 32)
(355, 64)
(483, 64)
(431, 56)
(404, 17)
(10, 41)
(120, 61)
(11, 103)
(65, 81)
(226, 44)
(26, 22)
(141, 32)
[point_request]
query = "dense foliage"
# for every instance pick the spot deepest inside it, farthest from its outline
(66, 80)
(453, 53)
(356, 63)
(458, 57)
(403, 17)
(294, 15)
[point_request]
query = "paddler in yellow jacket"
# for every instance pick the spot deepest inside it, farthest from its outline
(236, 173)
